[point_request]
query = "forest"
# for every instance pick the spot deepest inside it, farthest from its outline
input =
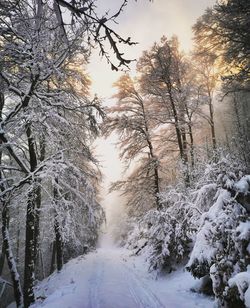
(182, 121)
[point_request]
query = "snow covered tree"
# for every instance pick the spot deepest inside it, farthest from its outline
(222, 241)
(165, 78)
(207, 80)
(240, 124)
(221, 34)
(130, 118)
(223, 30)
(82, 17)
(163, 236)
(46, 130)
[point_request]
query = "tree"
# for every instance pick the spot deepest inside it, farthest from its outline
(81, 18)
(240, 124)
(164, 78)
(223, 30)
(220, 250)
(40, 128)
(207, 79)
(222, 35)
(164, 235)
(130, 118)
(39, 44)
(6, 245)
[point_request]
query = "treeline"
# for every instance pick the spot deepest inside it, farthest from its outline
(186, 186)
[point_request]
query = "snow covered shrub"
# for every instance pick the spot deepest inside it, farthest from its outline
(222, 245)
(164, 236)
(168, 240)
(221, 169)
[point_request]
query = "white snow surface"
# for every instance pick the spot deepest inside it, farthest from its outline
(243, 185)
(111, 278)
(242, 281)
(203, 250)
(244, 230)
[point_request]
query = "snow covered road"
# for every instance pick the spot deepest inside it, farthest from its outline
(110, 278)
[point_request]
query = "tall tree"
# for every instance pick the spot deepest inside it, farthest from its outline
(130, 118)
(43, 107)
(207, 79)
(165, 80)
(224, 31)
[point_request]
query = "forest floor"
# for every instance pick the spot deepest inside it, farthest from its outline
(111, 278)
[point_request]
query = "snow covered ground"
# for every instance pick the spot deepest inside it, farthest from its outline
(111, 278)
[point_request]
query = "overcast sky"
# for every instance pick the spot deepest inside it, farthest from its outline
(145, 22)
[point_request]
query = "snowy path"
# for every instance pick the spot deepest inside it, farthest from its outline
(110, 278)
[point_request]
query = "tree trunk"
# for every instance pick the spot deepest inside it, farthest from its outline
(2, 258)
(152, 156)
(243, 144)
(190, 131)
(156, 175)
(176, 121)
(59, 246)
(6, 248)
(185, 156)
(157, 189)
(29, 266)
(38, 202)
(18, 244)
(58, 242)
(211, 115)
(53, 258)
(37, 222)
(180, 112)
(10, 258)
(42, 264)
(31, 240)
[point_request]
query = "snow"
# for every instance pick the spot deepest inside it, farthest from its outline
(222, 196)
(203, 249)
(248, 248)
(242, 281)
(111, 278)
(243, 230)
(243, 185)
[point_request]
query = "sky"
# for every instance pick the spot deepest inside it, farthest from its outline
(145, 22)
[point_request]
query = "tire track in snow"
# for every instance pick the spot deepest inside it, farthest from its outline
(94, 284)
(142, 295)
